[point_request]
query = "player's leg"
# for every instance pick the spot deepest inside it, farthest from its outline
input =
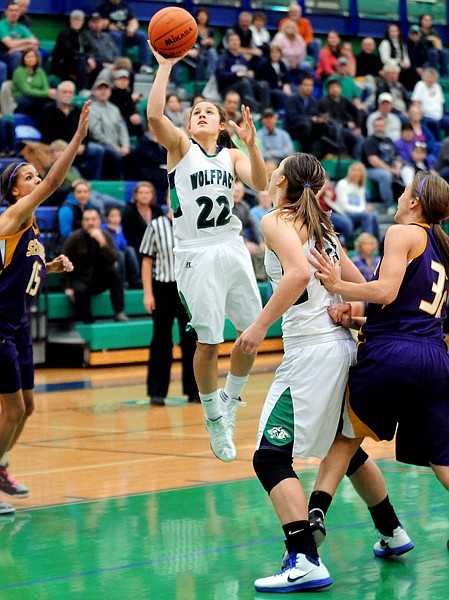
(302, 568)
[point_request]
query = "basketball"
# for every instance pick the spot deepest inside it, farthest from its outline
(172, 31)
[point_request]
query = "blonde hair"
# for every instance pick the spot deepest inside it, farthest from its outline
(144, 184)
(351, 168)
(362, 238)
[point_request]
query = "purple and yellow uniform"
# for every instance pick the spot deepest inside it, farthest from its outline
(22, 274)
(401, 377)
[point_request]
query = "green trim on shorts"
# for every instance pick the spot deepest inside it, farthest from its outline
(174, 200)
(184, 303)
(279, 429)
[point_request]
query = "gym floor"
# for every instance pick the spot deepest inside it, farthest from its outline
(127, 501)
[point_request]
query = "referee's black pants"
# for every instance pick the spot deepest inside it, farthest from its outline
(169, 306)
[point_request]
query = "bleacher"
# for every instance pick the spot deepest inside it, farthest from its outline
(106, 342)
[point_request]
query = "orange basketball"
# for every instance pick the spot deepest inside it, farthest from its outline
(172, 31)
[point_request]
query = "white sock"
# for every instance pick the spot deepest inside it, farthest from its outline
(234, 385)
(211, 405)
(4, 460)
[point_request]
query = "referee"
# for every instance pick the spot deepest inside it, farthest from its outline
(161, 300)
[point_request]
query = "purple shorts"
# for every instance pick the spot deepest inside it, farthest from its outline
(16, 363)
(403, 382)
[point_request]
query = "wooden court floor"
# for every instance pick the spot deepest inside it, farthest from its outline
(127, 501)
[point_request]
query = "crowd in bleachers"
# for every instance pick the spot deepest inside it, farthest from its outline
(381, 105)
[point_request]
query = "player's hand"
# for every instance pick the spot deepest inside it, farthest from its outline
(246, 130)
(326, 271)
(61, 264)
(341, 314)
(163, 60)
(249, 341)
(83, 123)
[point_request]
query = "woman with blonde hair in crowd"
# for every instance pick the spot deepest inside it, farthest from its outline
(351, 202)
(366, 259)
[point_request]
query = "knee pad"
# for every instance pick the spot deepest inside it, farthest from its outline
(272, 467)
(359, 459)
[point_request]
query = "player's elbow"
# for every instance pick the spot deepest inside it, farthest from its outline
(389, 295)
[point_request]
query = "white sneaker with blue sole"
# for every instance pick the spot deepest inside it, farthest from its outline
(300, 573)
(396, 545)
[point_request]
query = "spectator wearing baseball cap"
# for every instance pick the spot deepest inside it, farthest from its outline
(121, 96)
(385, 112)
(104, 50)
(416, 51)
(349, 88)
(276, 142)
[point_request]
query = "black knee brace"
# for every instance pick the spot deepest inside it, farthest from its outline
(359, 459)
(272, 467)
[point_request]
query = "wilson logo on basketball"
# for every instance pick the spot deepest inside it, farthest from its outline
(176, 38)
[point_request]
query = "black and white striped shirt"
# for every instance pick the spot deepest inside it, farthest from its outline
(157, 243)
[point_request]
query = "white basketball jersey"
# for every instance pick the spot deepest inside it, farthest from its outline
(201, 196)
(308, 316)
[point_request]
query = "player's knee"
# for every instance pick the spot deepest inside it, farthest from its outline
(272, 467)
(359, 459)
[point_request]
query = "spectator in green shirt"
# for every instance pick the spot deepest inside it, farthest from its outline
(30, 86)
(14, 37)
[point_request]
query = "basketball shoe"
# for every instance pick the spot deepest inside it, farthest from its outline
(6, 509)
(317, 528)
(229, 408)
(10, 486)
(220, 439)
(300, 573)
(395, 545)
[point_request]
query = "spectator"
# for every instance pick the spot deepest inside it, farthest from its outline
(72, 55)
(57, 147)
(8, 141)
(344, 117)
(276, 142)
(390, 83)
(367, 61)
(393, 50)
(139, 213)
(103, 48)
(305, 123)
(293, 51)
(349, 88)
(260, 34)
(341, 224)
(207, 47)
(351, 202)
(406, 143)
(128, 262)
(346, 51)
(419, 159)
(380, 157)
(119, 20)
(14, 37)
(304, 29)
(366, 259)
(437, 54)
(428, 95)
(421, 133)
(417, 53)
(250, 232)
(70, 213)
(173, 109)
(162, 302)
(93, 254)
(107, 127)
(272, 69)
(248, 46)
(264, 205)
(328, 56)
(233, 73)
(231, 106)
(59, 121)
(122, 98)
(148, 162)
(384, 111)
(30, 86)
(24, 18)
